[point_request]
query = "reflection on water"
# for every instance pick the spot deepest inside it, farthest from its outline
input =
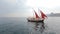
(38, 27)
(41, 27)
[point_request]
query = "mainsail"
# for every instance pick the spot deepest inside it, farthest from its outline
(36, 14)
(38, 18)
(42, 15)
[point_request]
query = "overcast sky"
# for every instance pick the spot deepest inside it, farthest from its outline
(23, 8)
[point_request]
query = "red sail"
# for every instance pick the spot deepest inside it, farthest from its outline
(43, 15)
(36, 14)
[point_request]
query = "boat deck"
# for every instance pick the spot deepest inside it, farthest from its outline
(35, 20)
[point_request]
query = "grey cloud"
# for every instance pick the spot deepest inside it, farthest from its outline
(7, 7)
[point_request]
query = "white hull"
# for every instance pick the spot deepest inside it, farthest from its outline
(35, 19)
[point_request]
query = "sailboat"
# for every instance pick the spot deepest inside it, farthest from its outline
(37, 18)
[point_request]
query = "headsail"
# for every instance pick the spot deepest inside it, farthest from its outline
(36, 14)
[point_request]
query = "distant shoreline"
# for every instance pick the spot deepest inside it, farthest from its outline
(54, 15)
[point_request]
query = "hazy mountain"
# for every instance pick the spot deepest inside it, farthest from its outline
(54, 15)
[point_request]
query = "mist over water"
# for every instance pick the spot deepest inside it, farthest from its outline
(21, 26)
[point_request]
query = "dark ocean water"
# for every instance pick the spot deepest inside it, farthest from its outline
(21, 26)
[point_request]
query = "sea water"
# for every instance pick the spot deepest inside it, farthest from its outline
(17, 25)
